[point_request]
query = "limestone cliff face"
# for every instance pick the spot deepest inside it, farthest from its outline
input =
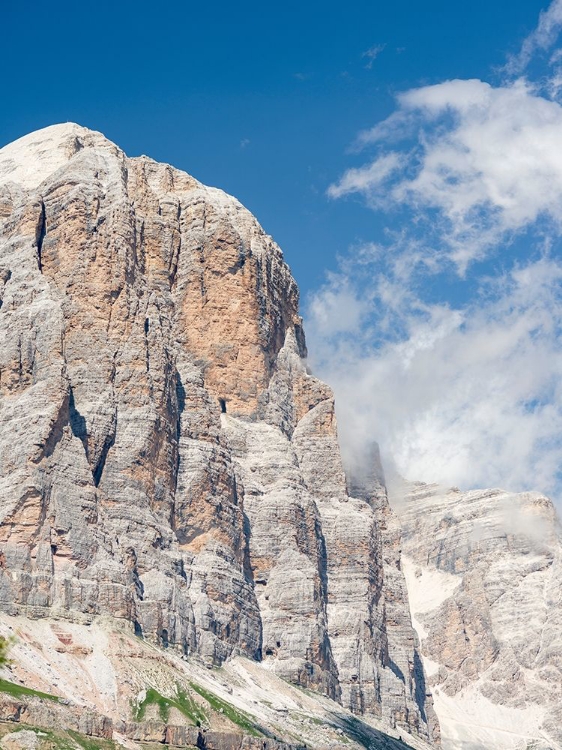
(165, 457)
(485, 584)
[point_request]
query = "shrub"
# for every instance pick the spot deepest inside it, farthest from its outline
(5, 644)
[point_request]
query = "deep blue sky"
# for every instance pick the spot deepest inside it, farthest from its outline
(260, 99)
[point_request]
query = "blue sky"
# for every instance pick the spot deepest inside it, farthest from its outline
(405, 157)
(261, 99)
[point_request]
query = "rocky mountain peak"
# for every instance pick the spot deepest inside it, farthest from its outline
(167, 462)
(35, 157)
(172, 497)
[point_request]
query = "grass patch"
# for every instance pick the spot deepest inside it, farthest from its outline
(358, 731)
(227, 709)
(62, 739)
(182, 702)
(17, 691)
(90, 743)
(153, 697)
(189, 708)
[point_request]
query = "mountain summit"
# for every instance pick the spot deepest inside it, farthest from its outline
(167, 462)
(182, 557)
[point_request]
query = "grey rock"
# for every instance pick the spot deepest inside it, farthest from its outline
(25, 739)
(165, 457)
(485, 588)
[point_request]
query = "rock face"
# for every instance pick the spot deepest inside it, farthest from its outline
(484, 572)
(112, 685)
(165, 457)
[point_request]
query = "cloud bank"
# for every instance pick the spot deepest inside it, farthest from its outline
(476, 164)
(468, 397)
(443, 338)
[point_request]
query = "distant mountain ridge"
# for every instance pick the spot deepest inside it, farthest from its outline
(484, 572)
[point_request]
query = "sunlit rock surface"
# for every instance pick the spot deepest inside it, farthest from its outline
(165, 457)
(484, 576)
(112, 685)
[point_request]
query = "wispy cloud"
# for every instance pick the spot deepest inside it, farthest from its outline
(372, 53)
(480, 163)
(367, 179)
(541, 39)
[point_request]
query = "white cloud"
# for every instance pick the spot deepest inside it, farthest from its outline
(541, 39)
(469, 397)
(339, 309)
(372, 53)
(367, 179)
(458, 377)
(487, 162)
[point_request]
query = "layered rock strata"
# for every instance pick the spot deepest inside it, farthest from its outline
(485, 583)
(165, 457)
(114, 685)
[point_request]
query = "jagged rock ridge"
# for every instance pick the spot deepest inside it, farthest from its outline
(165, 457)
(484, 577)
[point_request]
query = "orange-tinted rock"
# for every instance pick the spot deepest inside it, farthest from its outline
(165, 457)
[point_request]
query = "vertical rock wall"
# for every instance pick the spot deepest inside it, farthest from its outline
(483, 570)
(164, 455)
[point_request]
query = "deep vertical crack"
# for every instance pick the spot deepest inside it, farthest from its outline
(97, 470)
(40, 233)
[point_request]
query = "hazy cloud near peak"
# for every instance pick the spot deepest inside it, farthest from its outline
(469, 397)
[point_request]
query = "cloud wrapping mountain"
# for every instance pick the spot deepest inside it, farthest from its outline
(442, 337)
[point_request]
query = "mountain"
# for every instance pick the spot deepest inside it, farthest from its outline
(484, 572)
(176, 527)
(184, 560)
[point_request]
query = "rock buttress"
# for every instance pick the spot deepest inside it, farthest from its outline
(165, 457)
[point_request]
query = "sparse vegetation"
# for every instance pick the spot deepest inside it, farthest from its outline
(90, 743)
(5, 644)
(358, 731)
(182, 702)
(60, 739)
(227, 709)
(17, 691)
(13, 688)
